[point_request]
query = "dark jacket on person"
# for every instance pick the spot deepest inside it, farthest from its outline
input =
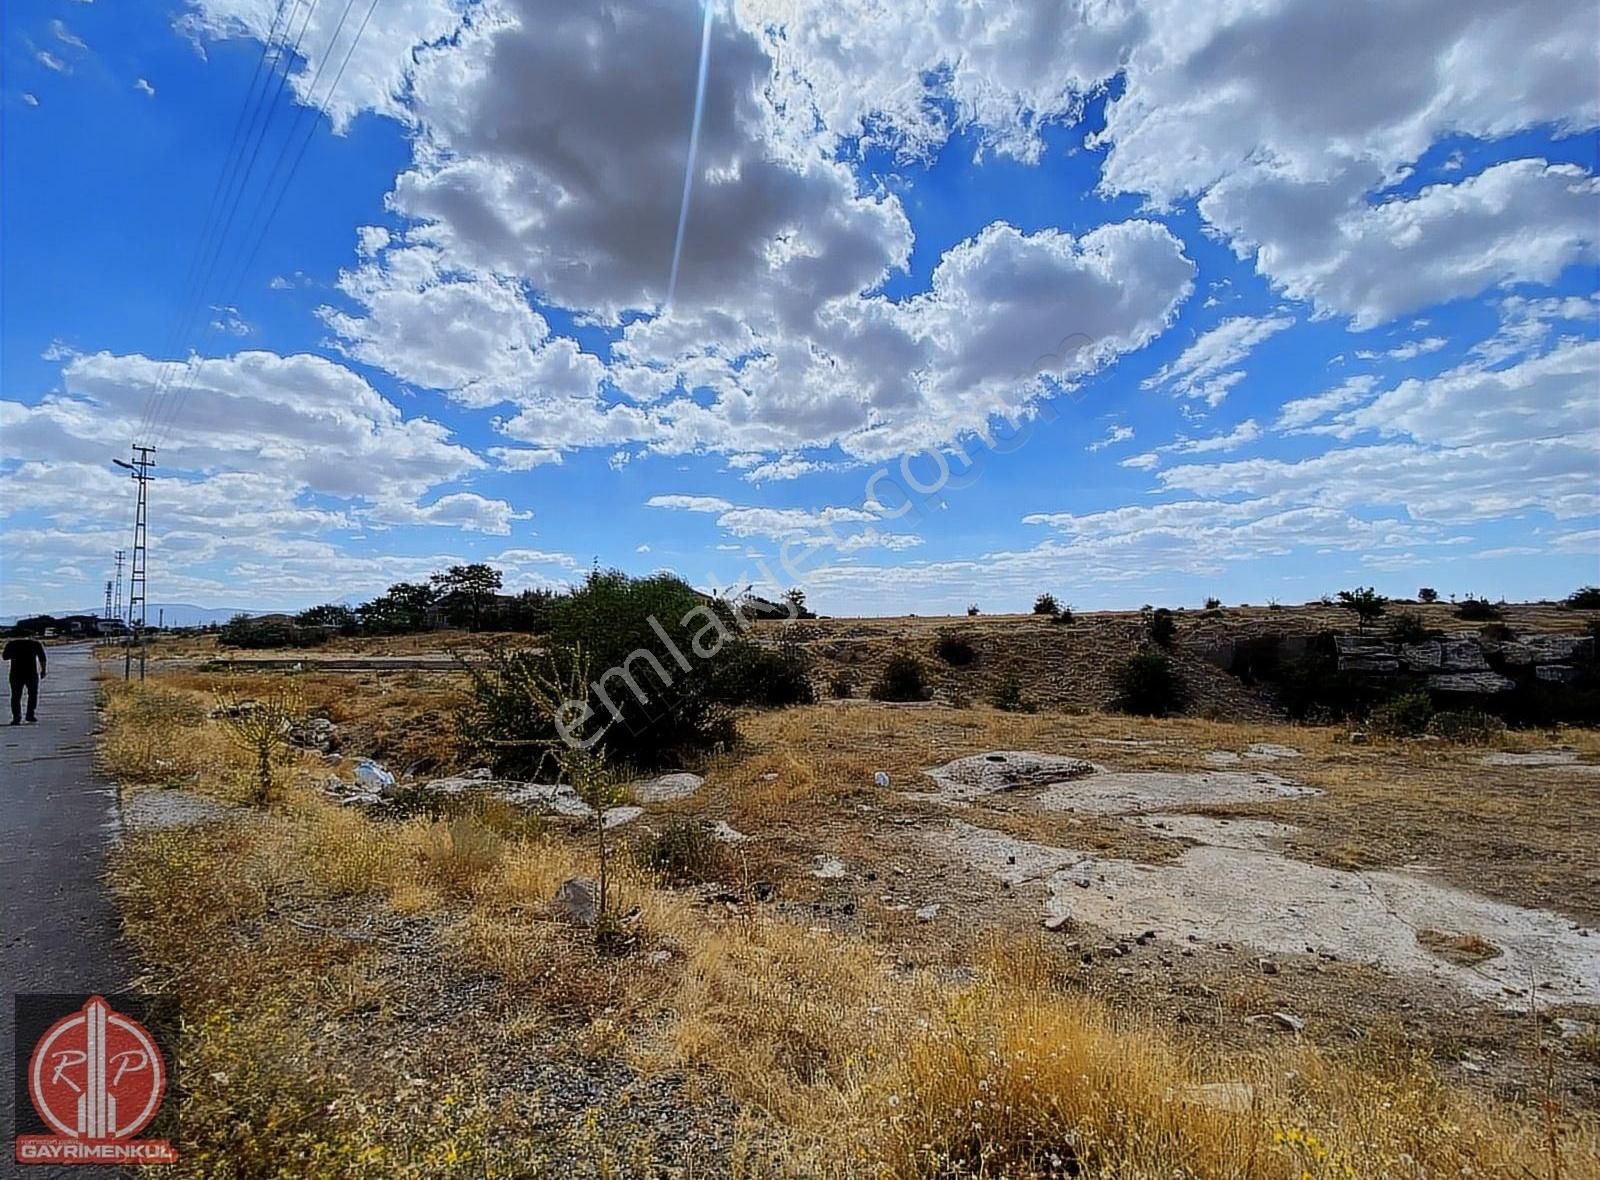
(26, 657)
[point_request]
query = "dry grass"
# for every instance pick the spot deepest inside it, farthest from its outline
(320, 956)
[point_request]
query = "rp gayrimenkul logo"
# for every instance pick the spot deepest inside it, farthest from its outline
(97, 1078)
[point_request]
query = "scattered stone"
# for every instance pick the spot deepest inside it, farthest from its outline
(728, 834)
(1221, 758)
(667, 787)
(763, 891)
(1288, 1020)
(314, 733)
(576, 901)
(928, 912)
(1270, 752)
(1357, 738)
(1576, 1030)
(1268, 966)
(1003, 770)
(1558, 673)
(1057, 921)
(615, 817)
(830, 868)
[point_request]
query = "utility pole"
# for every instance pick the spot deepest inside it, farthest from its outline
(117, 600)
(140, 467)
(105, 616)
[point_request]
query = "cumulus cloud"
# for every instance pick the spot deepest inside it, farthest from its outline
(462, 510)
(524, 458)
(1114, 435)
(144, 88)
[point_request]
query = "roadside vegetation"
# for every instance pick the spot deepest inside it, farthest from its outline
(386, 980)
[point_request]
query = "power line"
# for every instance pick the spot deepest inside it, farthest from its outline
(247, 111)
(235, 189)
(309, 117)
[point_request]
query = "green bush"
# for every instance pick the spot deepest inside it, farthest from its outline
(902, 680)
(255, 634)
(1147, 684)
(1213, 603)
(1163, 627)
(1471, 727)
(1008, 697)
(1477, 610)
(654, 702)
(1046, 604)
(1406, 715)
(1408, 627)
(764, 677)
(1584, 598)
(1497, 632)
(955, 650)
(841, 687)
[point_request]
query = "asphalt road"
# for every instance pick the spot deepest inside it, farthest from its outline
(58, 927)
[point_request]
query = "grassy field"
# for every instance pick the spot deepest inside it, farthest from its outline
(396, 996)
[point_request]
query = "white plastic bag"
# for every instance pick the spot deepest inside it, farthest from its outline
(374, 777)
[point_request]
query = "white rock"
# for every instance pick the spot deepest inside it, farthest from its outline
(576, 900)
(829, 868)
(667, 787)
(928, 912)
(728, 834)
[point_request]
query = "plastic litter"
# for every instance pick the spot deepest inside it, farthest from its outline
(374, 777)
(881, 779)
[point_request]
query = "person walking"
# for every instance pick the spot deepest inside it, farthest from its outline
(26, 657)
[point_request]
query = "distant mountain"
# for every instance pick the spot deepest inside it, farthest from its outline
(173, 614)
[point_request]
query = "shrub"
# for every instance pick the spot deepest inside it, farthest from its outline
(1064, 615)
(685, 852)
(901, 681)
(261, 728)
(1365, 602)
(764, 677)
(1584, 598)
(332, 616)
(1406, 715)
(1471, 727)
(1163, 627)
(1046, 604)
(1427, 594)
(647, 709)
(1213, 603)
(1498, 632)
(1477, 610)
(254, 634)
(955, 650)
(1008, 697)
(841, 687)
(1408, 627)
(1147, 684)
(972, 611)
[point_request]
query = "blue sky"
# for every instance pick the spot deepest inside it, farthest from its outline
(1260, 302)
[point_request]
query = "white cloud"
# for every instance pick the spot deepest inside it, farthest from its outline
(1547, 397)
(462, 510)
(1241, 435)
(1302, 412)
(690, 503)
(144, 88)
(1115, 434)
(1208, 367)
(30, 99)
(524, 458)
(50, 61)
(66, 36)
(1516, 222)
(380, 63)
(1414, 348)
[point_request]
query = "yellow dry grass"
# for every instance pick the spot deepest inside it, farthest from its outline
(297, 935)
